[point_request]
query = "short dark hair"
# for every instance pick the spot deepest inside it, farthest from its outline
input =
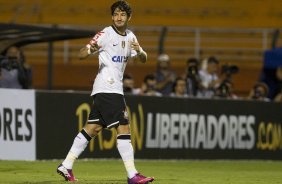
(213, 59)
(123, 6)
(174, 84)
(263, 85)
(149, 77)
(194, 61)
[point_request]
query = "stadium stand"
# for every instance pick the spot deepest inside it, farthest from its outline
(200, 29)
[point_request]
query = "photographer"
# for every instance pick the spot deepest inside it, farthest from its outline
(13, 74)
(225, 90)
(192, 76)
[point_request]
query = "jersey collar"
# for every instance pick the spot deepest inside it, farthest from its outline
(114, 28)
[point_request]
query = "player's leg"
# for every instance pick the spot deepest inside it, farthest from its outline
(127, 154)
(90, 130)
(114, 114)
(79, 144)
(125, 149)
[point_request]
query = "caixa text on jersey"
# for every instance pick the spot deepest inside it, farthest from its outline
(119, 59)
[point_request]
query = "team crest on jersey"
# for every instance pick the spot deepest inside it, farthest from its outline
(123, 44)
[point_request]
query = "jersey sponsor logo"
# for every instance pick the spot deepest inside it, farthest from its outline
(115, 44)
(119, 59)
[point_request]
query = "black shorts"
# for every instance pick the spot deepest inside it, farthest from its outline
(108, 110)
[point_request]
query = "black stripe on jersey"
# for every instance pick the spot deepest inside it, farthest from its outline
(115, 29)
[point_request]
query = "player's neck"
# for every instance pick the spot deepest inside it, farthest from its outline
(120, 30)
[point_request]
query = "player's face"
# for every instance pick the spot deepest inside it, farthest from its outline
(120, 18)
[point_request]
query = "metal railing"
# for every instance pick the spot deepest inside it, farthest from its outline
(181, 43)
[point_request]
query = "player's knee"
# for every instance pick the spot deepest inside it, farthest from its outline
(97, 129)
(123, 129)
(93, 129)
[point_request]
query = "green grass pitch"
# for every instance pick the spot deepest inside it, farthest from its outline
(164, 171)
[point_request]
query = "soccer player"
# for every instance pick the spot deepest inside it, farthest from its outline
(115, 45)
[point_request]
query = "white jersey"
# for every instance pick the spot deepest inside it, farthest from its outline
(114, 53)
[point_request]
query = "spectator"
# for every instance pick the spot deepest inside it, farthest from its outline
(128, 85)
(149, 86)
(209, 78)
(191, 76)
(179, 88)
(164, 75)
(278, 82)
(14, 73)
(225, 90)
(259, 92)
(273, 78)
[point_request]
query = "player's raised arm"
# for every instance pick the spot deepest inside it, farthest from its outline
(83, 53)
(89, 49)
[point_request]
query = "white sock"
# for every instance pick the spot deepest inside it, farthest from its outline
(79, 144)
(126, 152)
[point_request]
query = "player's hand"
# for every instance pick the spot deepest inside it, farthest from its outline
(141, 55)
(93, 46)
(135, 46)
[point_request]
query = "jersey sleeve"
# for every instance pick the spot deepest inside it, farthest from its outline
(100, 39)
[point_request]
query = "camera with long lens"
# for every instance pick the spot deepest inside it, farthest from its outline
(192, 71)
(223, 91)
(9, 63)
(229, 70)
(192, 76)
